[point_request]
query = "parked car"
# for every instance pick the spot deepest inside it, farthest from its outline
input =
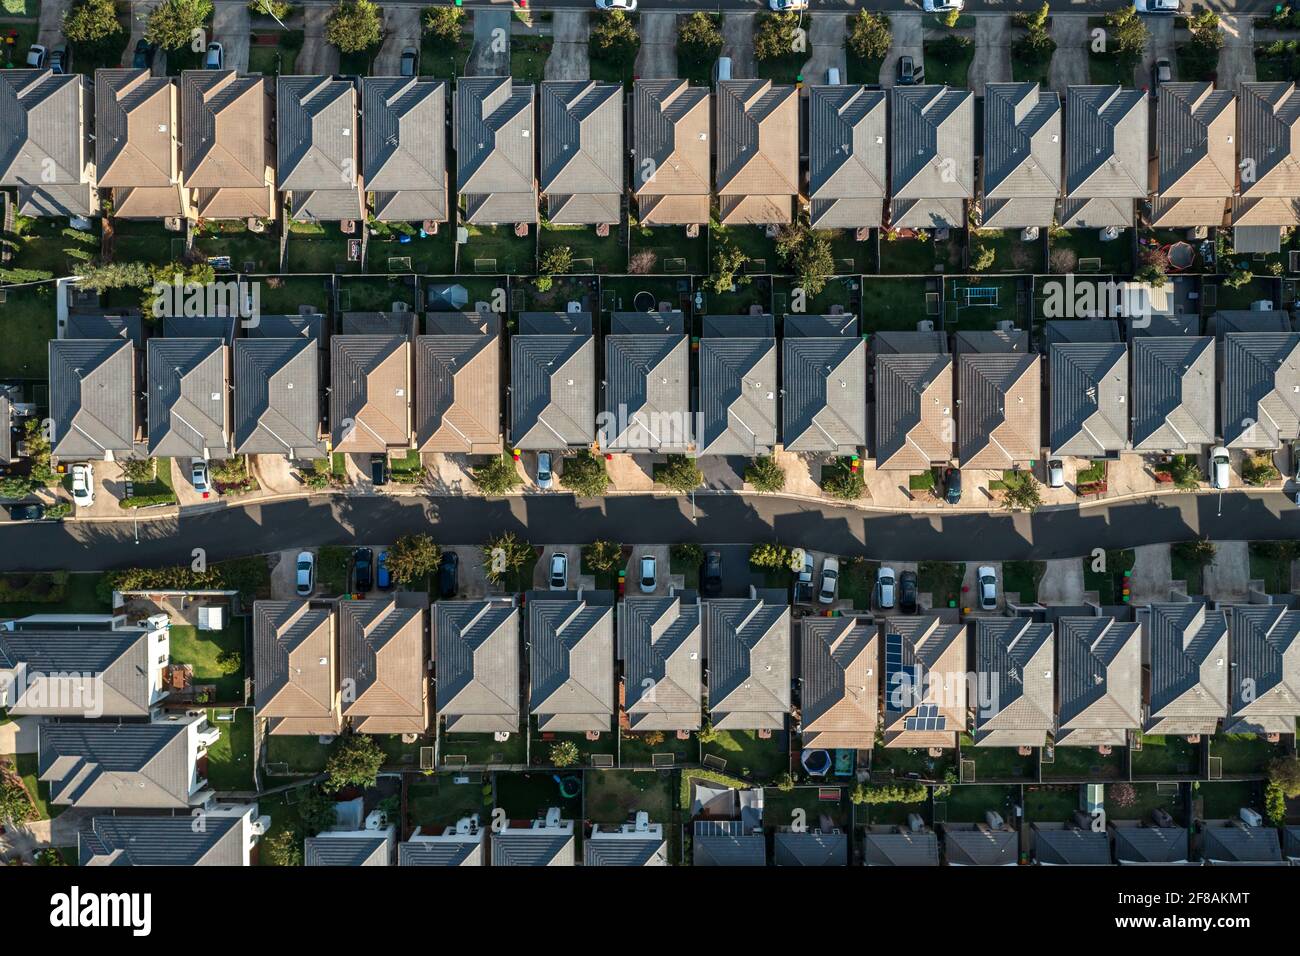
(30, 511)
(1156, 6)
(83, 485)
(216, 58)
(545, 477)
(37, 56)
(379, 470)
(906, 71)
(626, 5)
(144, 54)
(60, 60)
(781, 6)
(406, 65)
(886, 588)
(711, 575)
(199, 476)
(830, 580)
(448, 574)
(363, 567)
(559, 571)
(306, 573)
(952, 486)
(383, 578)
(942, 6)
(1220, 467)
(907, 592)
(833, 76)
(1055, 473)
(722, 69)
(649, 577)
(1161, 72)
(988, 583)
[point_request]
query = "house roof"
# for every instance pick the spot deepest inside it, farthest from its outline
(495, 149)
(1234, 843)
(914, 409)
(1060, 845)
(1089, 398)
(126, 325)
(921, 711)
(477, 653)
(1196, 129)
(727, 843)
(1268, 115)
(370, 392)
(458, 385)
(647, 387)
(1105, 155)
(188, 398)
(112, 765)
(1265, 653)
(1261, 388)
(162, 841)
(624, 849)
(1092, 330)
(533, 847)
(1017, 656)
(439, 852)
(42, 128)
(348, 849)
(135, 142)
(79, 199)
(1022, 155)
(908, 343)
(839, 674)
(92, 397)
(64, 671)
(553, 381)
(749, 663)
(404, 146)
(810, 848)
(582, 154)
(980, 846)
(1145, 844)
(572, 665)
(846, 156)
(1099, 680)
(661, 647)
(823, 384)
(999, 423)
(1173, 393)
(671, 141)
(382, 661)
(294, 657)
(1189, 668)
(900, 847)
(738, 386)
(277, 397)
(990, 340)
(316, 133)
(931, 155)
(226, 128)
(757, 150)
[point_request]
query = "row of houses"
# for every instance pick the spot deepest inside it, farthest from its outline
(215, 144)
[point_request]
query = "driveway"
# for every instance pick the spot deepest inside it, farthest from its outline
(401, 31)
(657, 59)
(1161, 45)
(1070, 61)
(284, 574)
(140, 11)
(908, 32)
(663, 577)
(1151, 574)
(826, 35)
(1228, 577)
(230, 28)
(491, 56)
(19, 735)
(568, 59)
(738, 43)
(1062, 582)
(542, 573)
(992, 62)
(317, 56)
(1237, 58)
(50, 31)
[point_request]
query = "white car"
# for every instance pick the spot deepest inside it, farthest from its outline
(216, 57)
(628, 5)
(306, 572)
(83, 485)
(1155, 6)
(648, 576)
(942, 6)
(886, 587)
(1055, 473)
(545, 477)
(199, 476)
(1220, 467)
(988, 584)
(783, 5)
(830, 580)
(559, 571)
(36, 56)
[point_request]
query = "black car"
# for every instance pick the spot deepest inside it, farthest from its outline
(711, 575)
(952, 486)
(379, 470)
(363, 565)
(60, 60)
(908, 73)
(32, 511)
(448, 574)
(907, 592)
(144, 54)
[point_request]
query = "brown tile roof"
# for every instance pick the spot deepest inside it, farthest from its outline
(228, 155)
(383, 664)
(458, 385)
(370, 392)
(925, 681)
(296, 663)
(758, 151)
(672, 139)
(841, 684)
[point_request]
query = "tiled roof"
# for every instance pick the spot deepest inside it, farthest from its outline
(810, 848)
(110, 765)
(900, 847)
(748, 648)
(1196, 128)
(92, 397)
(495, 149)
(163, 841)
(921, 711)
(277, 397)
(647, 391)
(1089, 398)
(671, 139)
(42, 128)
(477, 654)
(1268, 115)
(572, 665)
(1022, 155)
(295, 660)
(1261, 388)
(758, 151)
(1105, 155)
(839, 671)
(980, 846)
(727, 843)
(932, 155)
(1265, 654)
(823, 384)
(348, 849)
(1145, 844)
(1189, 668)
(64, 671)
(1099, 681)
(999, 423)
(458, 386)
(914, 410)
(846, 156)
(738, 386)
(553, 382)
(1070, 846)
(404, 147)
(532, 847)
(370, 392)
(189, 391)
(1234, 843)
(382, 662)
(660, 644)
(1017, 656)
(1174, 389)
(582, 155)
(227, 133)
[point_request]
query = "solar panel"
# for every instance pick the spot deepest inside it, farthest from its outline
(893, 666)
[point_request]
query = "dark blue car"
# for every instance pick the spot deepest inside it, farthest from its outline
(383, 580)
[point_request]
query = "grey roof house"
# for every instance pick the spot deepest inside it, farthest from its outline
(477, 653)
(370, 392)
(1265, 654)
(647, 384)
(459, 845)
(572, 665)
(137, 143)
(1233, 843)
(814, 847)
(582, 156)
(1188, 668)
(553, 381)
(547, 842)
(1089, 398)
(931, 156)
(924, 707)
(318, 154)
(1021, 168)
(748, 649)
(914, 407)
(1268, 116)
(495, 150)
(840, 682)
(350, 848)
(846, 156)
(661, 647)
(227, 129)
(93, 386)
(277, 397)
(999, 393)
(1174, 393)
(823, 384)
(1196, 155)
(640, 843)
(295, 658)
(727, 843)
(1105, 156)
(458, 384)
(1099, 680)
(738, 385)
(1015, 658)
(1261, 389)
(44, 143)
(884, 845)
(404, 147)
(383, 663)
(227, 838)
(978, 844)
(1063, 844)
(672, 150)
(757, 173)
(189, 407)
(1139, 845)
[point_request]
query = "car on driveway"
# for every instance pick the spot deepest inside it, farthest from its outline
(305, 573)
(1161, 72)
(649, 578)
(886, 588)
(1156, 6)
(988, 584)
(1220, 467)
(830, 581)
(216, 58)
(407, 63)
(144, 54)
(30, 511)
(363, 567)
(379, 470)
(907, 592)
(383, 578)
(545, 477)
(448, 574)
(199, 476)
(83, 485)
(1055, 473)
(60, 60)
(37, 56)
(559, 571)
(952, 486)
(906, 71)
(711, 575)
(942, 6)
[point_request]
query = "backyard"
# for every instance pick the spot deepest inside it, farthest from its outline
(899, 304)
(1239, 755)
(1137, 801)
(527, 796)
(968, 804)
(202, 650)
(437, 801)
(1050, 804)
(981, 764)
(806, 806)
(230, 759)
(613, 797)
(1084, 763)
(912, 763)
(480, 750)
(492, 250)
(248, 252)
(749, 756)
(29, 325)
(289, 754)
(1163, 756)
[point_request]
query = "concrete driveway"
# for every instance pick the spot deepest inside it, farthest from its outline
(1161, 45)
(1151, 574)
(1228, 577)
(1070, 61)
(284, 574)
(140, 11)
(826, 35)
(50, 30)
(1062, 582)
(491, 55)
(1237, 58)
(738, 43)
(542, 573)
(908, 32)
(663, 578)
(19, 735)
(569, 33)
(317, 56)
(657, 58)
(992, 61)
(401, 31)
(230, 28)
(471, 582)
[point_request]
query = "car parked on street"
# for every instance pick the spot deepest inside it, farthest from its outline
(625, 5)
(1220, 467)
(711, 575)
(363, 569)
(559, 571)
(782, 6)
(907, 592)
(942, 6)
(988, 588)
(305, 573)
(649, 576)
(83, 485)
(448, 574)
(1156, 6)
(886, 588)
(830, 581)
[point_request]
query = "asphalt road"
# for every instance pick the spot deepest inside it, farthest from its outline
(721, 519)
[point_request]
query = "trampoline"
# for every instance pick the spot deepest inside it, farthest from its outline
(644, 301)
(1181, 255)
(816, 762)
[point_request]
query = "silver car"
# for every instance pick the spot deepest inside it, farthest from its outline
(886, 586)
(545, 478)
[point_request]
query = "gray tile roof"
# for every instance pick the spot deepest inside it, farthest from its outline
(1105, 157)
(1080, 330)
(477, 654)
(672, 147)
(1173, 393)
(582, 155)
(439, 852)
(277, 397)
(1188, 666)
(986, 340)
(1146, 844)
(1016, 657)
(980, 846)
(67, 672)
(1060, 845)
(295, 659)
(229, 154)
(458, 385)
(727, 843)
(1196, 128)
(908, 343)
(914, 409)
(553, 381)
(1266, 677)
(495, 147)
(920, 712)
(839, 681)
(1261, 389)
(318, 153)
(898, 846)
(535, 847)
(810, 848)
(1292, 845)
(647, 388)
(1022, 155)
(383, 665)
(404, 147)
(189, 408)
(74, 200)
(135, 140)
(1099, 665)
(199, 327)
(162, 841)
(624, 849)
(846, 156)
(823, 385)
(572, 665)
(999, 423)
(124, 324)
(748, 649)
(757, 151)
(348, 849)
(111, 765)
(738, 386)
(92, 397)
(1089, 398)
(42, 128)
(1268, 115)
(660, 645)
(1162, 326)
(1234, 843)
(370, 392)
(931, 156)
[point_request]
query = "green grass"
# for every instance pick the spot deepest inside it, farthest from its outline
(371, 294)
(1227, 298)
(1050, 804)
(750, 757)
(753, 242)
(14, 55)
(482, 749)
(613, 796)
(316, 255)
(200, 649)
(443, 60)
(894, 304)
(784, 809)
(513, 254)
(428, 254)
(232, 238)
(435, 802)
(861, 69)
(278, 59)
(1244, 754)
(689, 570)
(1108, 583)
(908, 761)
(1116, 255)
(968, 803)
(941, 580)
(840, 291)
(1085, 763)
(27, 767)
(607, 254)
(987, 317)
(1011, 253)
(29, 322)
(698, 72)
(48, 248)
(948, 60)
(302, 754)
(635, 752)
(1191, 572)
(786, 69)
(527, 796)
(616, 69)
(230, 759)
(669, 242)
(1023, 577)
(706, 777)
(916, 255)
(999, 763)
(1274, 571)
(358, 63)
(1110, 68)
(528, 57)
(858, 582)
(20, 8)
(77, 594)
(332, 569)
(183, 59)
(282, 295)
(400, 754)
(1223, 801)
(1162, 756)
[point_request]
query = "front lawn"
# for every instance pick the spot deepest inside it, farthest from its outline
(948, 60)
(200, 650)
(941, 580)
(29, 322)
(1109, 583)
(528, 55)
(1022, 577)
(749, 756)
(858, 582)
(230, 759)
(277, 58)
(26, 765)
(1271, 565)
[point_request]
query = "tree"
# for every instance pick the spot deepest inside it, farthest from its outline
(230, 661)
(1199, 551)
(775, 35)
(615, 37)
(653, 739)
(282, 848)
(585, 475)
(564, 753)
(277, 10)
(785, 782)
(15, 806)
(354, 25)
(808, 254)
(1238, 278)
(316, 811)
(1152, 275)
(16, 486)
(952, 18)
(707, 732)
(870, 36)
(1127, 34)
(984, 258)
(445, 25)
(699, 38)
(1258, 470)
(91, 21)
(602, 555)
(1285, 773)
(413, 557)
(172, 23)
(890, 793)
(1185, 472)
(355, 763)
(38, 452)
(765, 474)
(840, 480)
(497, 476)
(680, 474)
(1020, 489)
(554, 261)
(101, 277)
(504, 555)
(770, 556)
(1274, 804)
(728, 260)
(686, 553)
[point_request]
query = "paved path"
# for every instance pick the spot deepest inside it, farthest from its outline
(1070, 61)
(317, 56)
(826, 35)
(401, 32)
(1151, 574)
(1160, 46)
(570, 31)
(738, 43)
(909, 33)
(18, 736)
(230, 28)
(491, 54)
(992, 62)
(1237, 58)
(140, 10)
(657, 58)
(50, 32)
(1062, 582)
